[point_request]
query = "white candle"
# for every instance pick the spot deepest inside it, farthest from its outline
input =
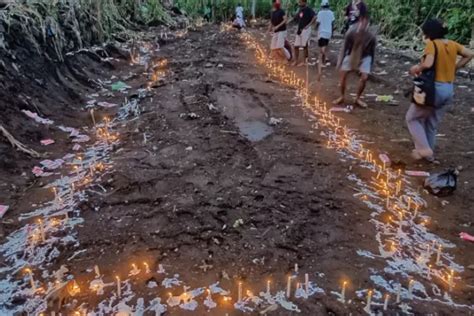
(399, 291)
(97, 271)
(55, 194)
(401, 220)
(409, 204)
(41, 227)
(343, 292)
(451, 280)
(306, 283)
(429, 271)
(93, 117)
(119, 288)
(438, 256)
(147, 267)
(288, 287)
(32, 280)
(369, 300)
(410, 288)
(240, 292)
(385, 304)
(268, 287)
(296, 268)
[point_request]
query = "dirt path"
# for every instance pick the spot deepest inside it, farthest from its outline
(223, 178)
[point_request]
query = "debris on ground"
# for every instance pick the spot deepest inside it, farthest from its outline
(442, 184)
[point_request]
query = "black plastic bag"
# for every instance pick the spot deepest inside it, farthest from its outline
(442, 184)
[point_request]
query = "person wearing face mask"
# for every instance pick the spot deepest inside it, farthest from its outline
(423, 121)
(306, 18)
(277, 25)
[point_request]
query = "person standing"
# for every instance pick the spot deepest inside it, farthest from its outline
(356, 12)
(239, 21)
(358, 54)
(306, 18)
(325, 24)
(278, 27)
(423, 121)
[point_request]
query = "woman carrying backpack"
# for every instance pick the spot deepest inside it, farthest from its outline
(442, 54)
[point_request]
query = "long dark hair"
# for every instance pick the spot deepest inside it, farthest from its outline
(434, 29)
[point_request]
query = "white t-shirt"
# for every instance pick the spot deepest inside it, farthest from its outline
(325, 19)
(239, 12)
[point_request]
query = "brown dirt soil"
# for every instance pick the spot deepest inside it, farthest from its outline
(174, 199)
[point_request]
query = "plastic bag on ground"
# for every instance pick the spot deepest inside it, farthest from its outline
(442, 184)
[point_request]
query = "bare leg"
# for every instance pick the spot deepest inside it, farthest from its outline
(343, 87)
(320, 65)
(297, 54)
(362, 83)
(323, 53)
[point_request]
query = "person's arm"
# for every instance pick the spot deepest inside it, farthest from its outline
(467, 56)
(285, 20)
(427, 61)
(313, 20)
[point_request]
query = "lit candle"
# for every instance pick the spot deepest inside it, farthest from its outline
(306, 283)
(119, 288)
(147, 267)
(55, 194)
(32, 280)
(438, 256)
(410, 288)
(409, 203)
(288, 287)
(343, 292)
(451, 280)
(240, 292)
(429, 271)
(369, 300)
(268, 286)
(385, 304)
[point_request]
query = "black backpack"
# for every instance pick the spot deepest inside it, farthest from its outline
(424, 88)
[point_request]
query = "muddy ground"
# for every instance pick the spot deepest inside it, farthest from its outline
(176, 199)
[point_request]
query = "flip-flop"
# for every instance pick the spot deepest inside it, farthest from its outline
(361, 103)
(338, 101)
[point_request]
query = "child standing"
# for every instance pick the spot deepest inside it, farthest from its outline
(325, 24)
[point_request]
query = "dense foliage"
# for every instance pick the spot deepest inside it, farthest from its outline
(397, 19)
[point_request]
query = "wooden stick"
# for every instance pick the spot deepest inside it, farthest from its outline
(17, 144)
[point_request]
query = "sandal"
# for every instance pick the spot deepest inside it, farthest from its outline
(361, 103)
(338, 101)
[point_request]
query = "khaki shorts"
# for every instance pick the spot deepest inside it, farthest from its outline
(365, 66)
(278, 40)
(303, 39)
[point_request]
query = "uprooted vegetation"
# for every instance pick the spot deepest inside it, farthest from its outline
(46, 48)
